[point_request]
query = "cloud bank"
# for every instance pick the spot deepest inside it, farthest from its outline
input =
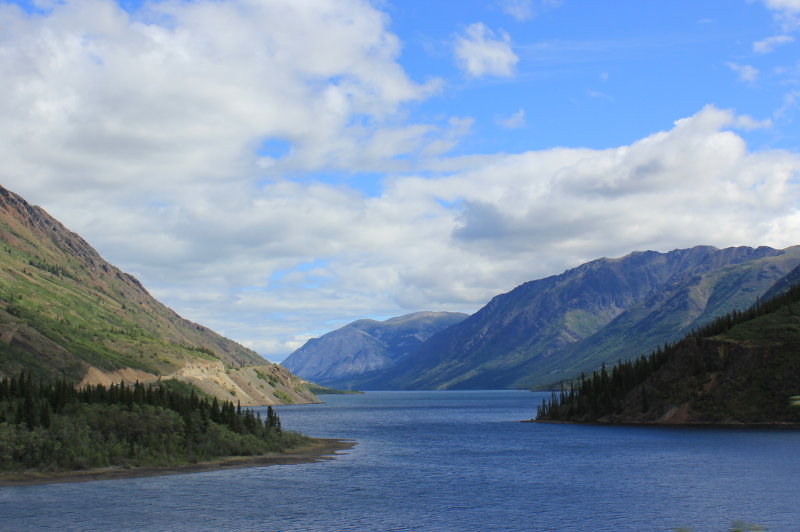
(154, 136)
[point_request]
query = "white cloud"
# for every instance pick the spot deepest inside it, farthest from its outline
(480, 53)
(98, 93)
(770, 43)
(668, 188)
(270, 265)
(787, 12)
(746, 72)
(516, 120)
(144, 137)
(748, 123)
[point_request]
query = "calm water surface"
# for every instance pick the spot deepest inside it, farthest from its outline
(453, 461)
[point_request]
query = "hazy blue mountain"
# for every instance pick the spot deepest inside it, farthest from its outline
(363, 346)
(608, 309)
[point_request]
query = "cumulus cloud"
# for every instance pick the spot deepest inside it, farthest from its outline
(770, 43)
(456, 240)
(142, 133)
(479, 52)
(654, 193)
(746, 72)
(190, 88)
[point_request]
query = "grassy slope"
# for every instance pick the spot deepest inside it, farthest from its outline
(55, 289)
(64, 310)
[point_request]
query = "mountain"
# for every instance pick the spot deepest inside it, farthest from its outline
(784, 284)
(65, 311)
(605, 310)
(742, 368)
(364, 346)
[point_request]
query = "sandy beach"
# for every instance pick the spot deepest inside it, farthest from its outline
(319, 450)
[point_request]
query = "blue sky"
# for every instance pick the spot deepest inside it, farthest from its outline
(275, 169)
(598, 74)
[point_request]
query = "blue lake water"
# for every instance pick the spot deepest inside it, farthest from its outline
(457, 460)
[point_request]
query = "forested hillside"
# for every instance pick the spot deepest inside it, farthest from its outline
(743, 367)
(54, 426)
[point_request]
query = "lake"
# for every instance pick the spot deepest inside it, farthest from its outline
(454, 460)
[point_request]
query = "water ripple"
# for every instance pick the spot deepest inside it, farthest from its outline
(440, 461)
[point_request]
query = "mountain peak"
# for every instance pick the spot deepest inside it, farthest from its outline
(365, 346)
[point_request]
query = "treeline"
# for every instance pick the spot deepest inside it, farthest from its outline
(605, 393)
(54, 426)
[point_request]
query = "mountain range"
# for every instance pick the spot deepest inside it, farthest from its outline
(67, 312)
(552, 329)
(365, 346)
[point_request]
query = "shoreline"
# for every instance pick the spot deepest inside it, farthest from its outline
(777, 425)
(319, 450)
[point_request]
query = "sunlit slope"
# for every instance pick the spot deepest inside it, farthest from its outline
(65, 311)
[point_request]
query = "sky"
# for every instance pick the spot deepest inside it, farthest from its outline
(275, 169)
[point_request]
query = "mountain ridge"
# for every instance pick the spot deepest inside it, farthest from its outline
(551, 329)
(67, 312)
(365, 346)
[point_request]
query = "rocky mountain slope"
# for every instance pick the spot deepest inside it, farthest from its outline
(364, 346)
(742, 368)
(65, 311)
(552, 329)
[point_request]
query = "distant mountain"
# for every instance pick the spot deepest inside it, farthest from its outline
(605, 310)
(364, 346)
(65, 311)
(742, 368)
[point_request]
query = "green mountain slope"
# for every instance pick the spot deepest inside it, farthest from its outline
(609, 309)
(65, 311)
(742, 368)
(364, 346)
